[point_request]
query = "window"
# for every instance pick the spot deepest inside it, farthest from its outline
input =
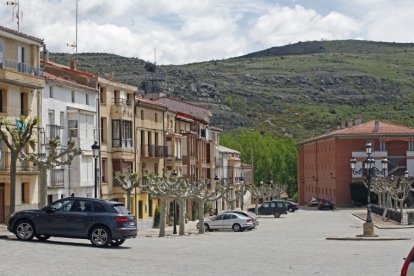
(73, 96)
(99, 207)
(1, 97)
(87, 99)
(104, 162)
(21, 67)
(104, 129)
(25, 192)
(102, 91)
(156, 117)
(121, 134)
(51, 92)
(1, 53)
(24, 101)
(73, 128)
(142, 114)
(63, 205)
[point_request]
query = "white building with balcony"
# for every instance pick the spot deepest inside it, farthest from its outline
(69, 110)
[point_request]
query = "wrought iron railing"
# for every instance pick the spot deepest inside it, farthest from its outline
(57, 177)
(20, 67)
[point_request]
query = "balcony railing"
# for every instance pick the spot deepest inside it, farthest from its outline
(57, 177)
(21, 166)
(20, 67)
(54, 131)
(154, 151)
(120, 101)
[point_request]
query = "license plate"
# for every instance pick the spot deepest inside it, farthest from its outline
(132, 223)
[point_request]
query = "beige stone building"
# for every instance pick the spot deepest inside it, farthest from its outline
(20, 84)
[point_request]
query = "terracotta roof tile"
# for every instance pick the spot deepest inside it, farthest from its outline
(63, 81)
(373, 128)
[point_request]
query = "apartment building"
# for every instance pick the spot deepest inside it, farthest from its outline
(323, 162)
(69, 111)
(117, 134)
(20, 84)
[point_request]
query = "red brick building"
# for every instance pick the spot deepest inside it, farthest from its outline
(323, 162)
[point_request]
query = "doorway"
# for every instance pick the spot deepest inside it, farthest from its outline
(2, 203)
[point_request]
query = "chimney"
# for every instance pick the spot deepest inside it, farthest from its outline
(349, 123)
(342, 124)
(357, 121)
(73, 64)
(376, 126)
(45, 54)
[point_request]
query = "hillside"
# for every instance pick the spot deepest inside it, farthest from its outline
(299, 90)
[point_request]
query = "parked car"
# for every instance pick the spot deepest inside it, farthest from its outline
(102, 222)
(408, 266)
(233, 221)
(325, 204)
(275, 208)
(313, 202)
(246, 214)
(292, 206)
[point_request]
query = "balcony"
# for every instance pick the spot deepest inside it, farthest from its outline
(21, 74)
(52, 132)
(57, 178)
(21, 166)
(121, 109)
(154, 151)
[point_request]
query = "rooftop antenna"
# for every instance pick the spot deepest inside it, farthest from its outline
(74, 45)
(17, 14)
(155, 55)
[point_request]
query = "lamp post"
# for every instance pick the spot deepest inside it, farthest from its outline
(368, 170)
(216, 179)
(241, 179)
(174, 173)
(95, 153)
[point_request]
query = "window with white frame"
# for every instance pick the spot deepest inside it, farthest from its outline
(73, 128)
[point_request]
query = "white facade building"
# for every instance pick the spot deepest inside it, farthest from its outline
(69, 110)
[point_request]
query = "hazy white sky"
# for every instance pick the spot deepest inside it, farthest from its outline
(185, 31)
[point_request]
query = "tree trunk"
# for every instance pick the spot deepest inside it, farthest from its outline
(42, 186)
(402, 210)
(129, 199)
(13, 171)
(256, 207)
(181, 204)
(380, 200)
(200, 216)
(163, 212)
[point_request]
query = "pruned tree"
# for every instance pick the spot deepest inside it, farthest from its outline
(202, 194)
(56, 156)
(232, 195)
(258, 192)
(181, 192)
(16, 138)
(163, 187)
(400, 188)
(129, 180)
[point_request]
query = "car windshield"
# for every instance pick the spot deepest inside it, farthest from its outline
(121, 209)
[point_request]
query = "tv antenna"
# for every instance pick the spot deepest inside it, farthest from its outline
(74, 45)
(19, 16)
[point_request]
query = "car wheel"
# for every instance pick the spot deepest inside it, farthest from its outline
(42, 237)
(100, 236)
(291, 210)
(276, 214)
(206, 228)
(236, 227)
(117, 242)
(24, 230)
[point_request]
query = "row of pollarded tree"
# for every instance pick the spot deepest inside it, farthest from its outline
(392, 189)
(178, 188)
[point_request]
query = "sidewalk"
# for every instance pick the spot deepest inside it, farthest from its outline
(379, 223)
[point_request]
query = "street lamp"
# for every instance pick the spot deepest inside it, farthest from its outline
(241, 179)
(216, 180)
(174, 174)
(368, 170)
(95, 153)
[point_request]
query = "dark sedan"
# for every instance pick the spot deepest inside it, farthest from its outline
(326, 204)
(292, 206)
(102, 222)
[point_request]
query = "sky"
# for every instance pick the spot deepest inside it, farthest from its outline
(187, 31)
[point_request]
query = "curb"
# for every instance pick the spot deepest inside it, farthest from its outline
(367, 239)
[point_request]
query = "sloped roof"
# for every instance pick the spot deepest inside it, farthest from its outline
(200, 113)
(65, 82)
(21, 35)
(371, 128)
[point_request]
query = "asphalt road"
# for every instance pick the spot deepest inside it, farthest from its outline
(291, 245)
